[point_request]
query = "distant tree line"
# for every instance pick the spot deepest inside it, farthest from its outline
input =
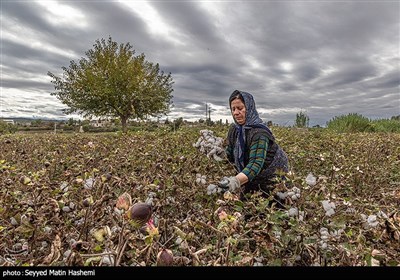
(353, 122)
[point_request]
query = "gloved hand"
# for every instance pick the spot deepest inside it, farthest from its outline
(231, 183)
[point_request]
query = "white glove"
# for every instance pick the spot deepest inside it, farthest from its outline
(231, 183)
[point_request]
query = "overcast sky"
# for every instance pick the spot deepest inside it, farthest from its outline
(325, 58)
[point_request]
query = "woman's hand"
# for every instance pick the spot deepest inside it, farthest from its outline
(232, 183)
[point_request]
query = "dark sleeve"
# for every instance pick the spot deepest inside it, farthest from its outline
(257, 156)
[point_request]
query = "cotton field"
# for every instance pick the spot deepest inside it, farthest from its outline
(144, 199)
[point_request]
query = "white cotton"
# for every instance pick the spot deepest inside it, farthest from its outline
(328, 205)
(372, 221)
(293, 212)
(281, 195)
(210, 145)
(211, 189)
(371, 218)
(88, 183)
(64, 187)
(311, 180)
(290, 193)
(296, 190)
(330, 212)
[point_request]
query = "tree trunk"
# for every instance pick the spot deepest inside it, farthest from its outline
(124, 124)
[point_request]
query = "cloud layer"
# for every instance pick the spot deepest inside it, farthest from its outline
(324, 58)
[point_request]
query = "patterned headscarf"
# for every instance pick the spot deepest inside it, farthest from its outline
(252, 121)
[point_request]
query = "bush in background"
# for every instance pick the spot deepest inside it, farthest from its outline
(385, 125)
(302, 119)
(6, 128)
(352, 122)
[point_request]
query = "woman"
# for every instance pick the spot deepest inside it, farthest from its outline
(251, 148)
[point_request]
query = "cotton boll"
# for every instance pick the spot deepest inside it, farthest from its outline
(211, 189)
(149, 201)
(371, 218)
(301, 216)
(64, 187)
(281, 195)
(293, 212)
(323, 230)
(66, 209)
(296, 190)
(291, 193)
(210, 145)
(324, 237)
(13, 221)
(178, 240)
(88, 184)
(330, 212)
(311, 180)
(328, 205)
(108, 260)
(372, 222)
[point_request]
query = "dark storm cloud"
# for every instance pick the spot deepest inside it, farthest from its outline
(191, 20)
(326, 58)
(25, 84)
(111, 19)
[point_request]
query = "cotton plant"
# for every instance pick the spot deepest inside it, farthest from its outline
(311, 180)
(329, 207)
(371, 221)
(294, 212)
(258, 261)
(201, 179)
(150, 198)
(170, 200)
(293, 194)
(210, 145)
(89, 183)
(212, 189)
(326, 235)
(64, 186)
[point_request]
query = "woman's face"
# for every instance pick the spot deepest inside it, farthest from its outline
(238, 111)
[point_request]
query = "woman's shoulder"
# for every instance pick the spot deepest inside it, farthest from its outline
(257, 132)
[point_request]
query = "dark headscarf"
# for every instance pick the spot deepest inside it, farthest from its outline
(252, 121)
